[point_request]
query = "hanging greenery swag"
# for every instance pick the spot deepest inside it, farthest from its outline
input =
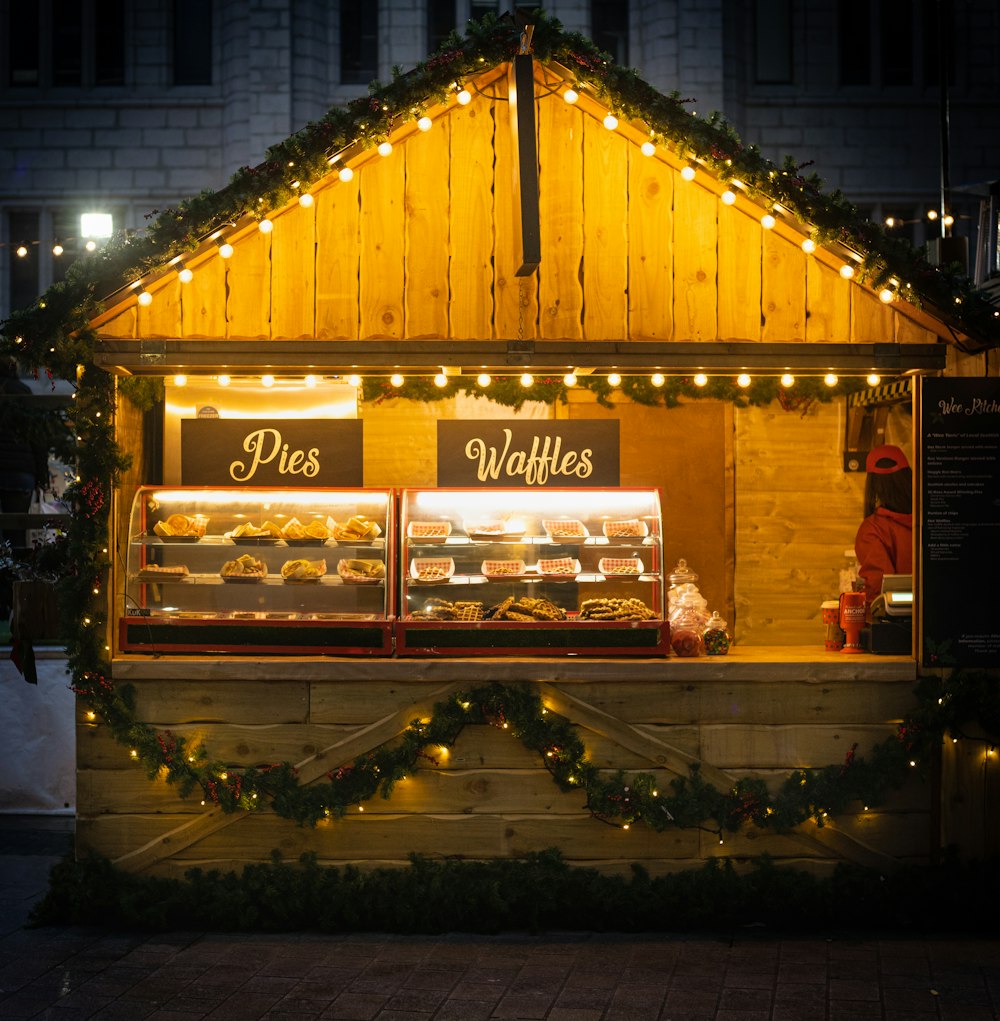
(944, 705)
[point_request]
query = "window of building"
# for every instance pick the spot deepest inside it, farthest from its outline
(440, 22)
(66, 43)
(23, 44)
(109, 42)
(609, 21)
(358, 41)
(192, 42)
(773, 42)
(23, 278)
(893, 43)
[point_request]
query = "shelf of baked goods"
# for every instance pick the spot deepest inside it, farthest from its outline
(257, 561)
(502, 571)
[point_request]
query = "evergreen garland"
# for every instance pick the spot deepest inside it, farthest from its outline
(944, 705)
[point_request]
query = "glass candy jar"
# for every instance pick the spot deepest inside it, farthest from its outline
(685, 633)
(715, 637)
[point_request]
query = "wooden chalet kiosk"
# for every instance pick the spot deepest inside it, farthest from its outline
(442, 254)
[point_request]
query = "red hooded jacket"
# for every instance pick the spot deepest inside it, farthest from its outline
(883, 545)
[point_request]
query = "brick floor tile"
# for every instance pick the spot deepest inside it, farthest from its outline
(558, 1013)
(465, 1010)
(354, 1007)
(523, 1007)
(844, 989)
(745, 999)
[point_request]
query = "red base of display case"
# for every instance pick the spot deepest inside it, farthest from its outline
(162, 635)
(505, 638)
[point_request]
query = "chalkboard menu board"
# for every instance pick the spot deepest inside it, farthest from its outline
(320, 453)
(537, 454)
(960, 489)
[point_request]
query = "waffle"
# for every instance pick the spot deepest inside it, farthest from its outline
(615, 609)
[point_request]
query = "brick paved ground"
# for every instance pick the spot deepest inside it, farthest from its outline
(69, 974)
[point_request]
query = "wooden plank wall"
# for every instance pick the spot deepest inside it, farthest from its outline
(419, 245)
(797, 511)
(488, 796)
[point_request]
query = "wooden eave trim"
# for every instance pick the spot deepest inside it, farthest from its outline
(159, 357)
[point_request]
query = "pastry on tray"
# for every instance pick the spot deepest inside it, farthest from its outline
(303, 570)
(181, 525)
(246, 567)
(357, 529)
(360, 572)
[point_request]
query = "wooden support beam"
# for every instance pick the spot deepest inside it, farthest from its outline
(524, 177)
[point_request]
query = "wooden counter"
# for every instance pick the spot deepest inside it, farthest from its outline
(760, 711)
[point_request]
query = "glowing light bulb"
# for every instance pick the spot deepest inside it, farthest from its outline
(932, 214)
(647, 148)
(441, 379)
(728, 197)
(385, 149)
(396, 379)
(21, 251)
(265, 226)
(225, 249)
(425, 124)
(571, 96)
(831, 379)
(267, 380)
(873, 379)
(91, 246)
(527, 379)
(345, 174)
(306, 200)
(657, 379)
(886, 295)
(310, 381)
(611, 122)
(57, 249)
(185, 275)
(743, 380)
(847, 271)
(948, 220)
(687, 172)
(808, 246)
(224, 380)
(890, 221)
(144, 298)
(767, 221)
(180, 380)
(570, 379)
(353, 380)
(464, 97)
(614, 379)
(788, 380)
(700, 379)
(483, 379)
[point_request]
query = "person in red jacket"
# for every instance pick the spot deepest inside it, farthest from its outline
(884, 543)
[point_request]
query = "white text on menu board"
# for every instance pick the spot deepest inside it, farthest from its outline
(979, 406)
(265, 445)
(545, 458)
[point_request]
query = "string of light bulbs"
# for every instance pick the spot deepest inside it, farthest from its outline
(462, 96)
(527, 380)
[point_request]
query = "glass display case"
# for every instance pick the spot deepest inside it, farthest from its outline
(259, 570)
(531, 571)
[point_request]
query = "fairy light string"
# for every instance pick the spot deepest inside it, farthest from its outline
(947, 704)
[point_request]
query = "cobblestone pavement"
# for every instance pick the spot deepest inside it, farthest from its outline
(73, 973)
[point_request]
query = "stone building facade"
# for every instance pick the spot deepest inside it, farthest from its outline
(130, 106)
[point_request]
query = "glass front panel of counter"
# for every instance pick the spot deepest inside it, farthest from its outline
(531, 571)
(259, 570)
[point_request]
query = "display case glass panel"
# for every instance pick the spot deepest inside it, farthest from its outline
(275, 569)
(540, 570)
